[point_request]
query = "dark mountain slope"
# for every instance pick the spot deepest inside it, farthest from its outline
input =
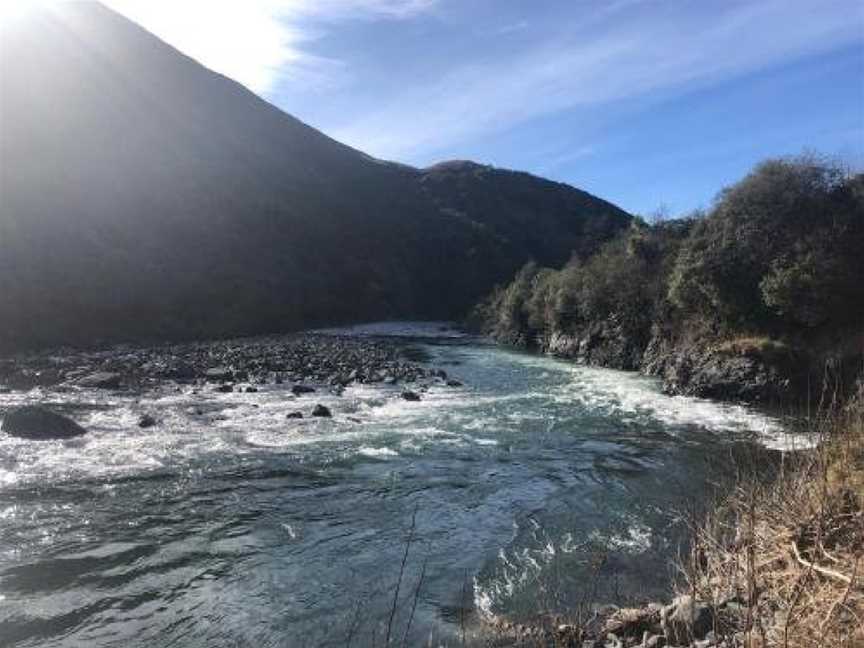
(144, 196)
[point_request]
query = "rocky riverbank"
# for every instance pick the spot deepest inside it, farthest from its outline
(682, 623)
(747, 369)
(330, 361)
(738, 369)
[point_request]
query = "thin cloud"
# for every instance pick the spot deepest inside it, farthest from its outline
(646, 49)
(565, 157)
(256, 42)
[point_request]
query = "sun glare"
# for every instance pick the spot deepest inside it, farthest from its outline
(11, 11)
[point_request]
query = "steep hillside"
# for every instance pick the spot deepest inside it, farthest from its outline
(144, 196)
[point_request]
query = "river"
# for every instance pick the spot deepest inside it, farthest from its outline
(536, 485)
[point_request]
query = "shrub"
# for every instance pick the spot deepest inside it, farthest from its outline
(780, 249)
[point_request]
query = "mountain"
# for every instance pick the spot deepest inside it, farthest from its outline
(143, 196)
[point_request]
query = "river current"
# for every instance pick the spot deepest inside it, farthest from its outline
(537, 485)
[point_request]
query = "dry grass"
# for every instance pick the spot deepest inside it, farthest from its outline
(753, 346)
(789, 552)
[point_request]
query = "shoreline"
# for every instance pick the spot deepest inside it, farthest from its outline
(326, 360)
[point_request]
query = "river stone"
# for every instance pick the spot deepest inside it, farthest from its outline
(686, 620)
(409, 395)
(100, 380)
(218, 373)
(147, 421)
(179, 371)
(634, 622)
(302, 389)
(37, 423)
(322, 411)
(654, 641)
(294, 415)
(453, 383)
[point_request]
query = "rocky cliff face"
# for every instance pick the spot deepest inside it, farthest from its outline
(705, 368)
(708, 370)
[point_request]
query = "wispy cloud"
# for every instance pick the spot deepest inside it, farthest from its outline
(510, 28)
(256, 42)
(644, 48)
(565, 156)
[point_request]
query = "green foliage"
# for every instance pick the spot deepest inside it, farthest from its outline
(623, 282)
(780, 249)
(810, 288)
(781, 254)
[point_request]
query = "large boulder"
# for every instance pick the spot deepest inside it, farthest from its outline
(37, 423)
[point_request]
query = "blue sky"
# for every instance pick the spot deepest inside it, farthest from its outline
(647, 103)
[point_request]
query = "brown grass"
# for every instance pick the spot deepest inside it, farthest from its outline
(789, 552)
(754, 346)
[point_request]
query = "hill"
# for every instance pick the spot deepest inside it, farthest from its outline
(143, 196)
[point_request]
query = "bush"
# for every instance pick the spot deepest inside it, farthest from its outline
(779, 257)
(624, 282)
(780, 250)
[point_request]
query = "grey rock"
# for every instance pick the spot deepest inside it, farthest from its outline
(453, 383)
(218, 373)
(302, 389)
(100, 380)
(409, 395)
(654, 641)
(322, 411)
(147, 421)
(634, 622)
(294, 415)
(179, 371)
(36, 423)
(686, 620)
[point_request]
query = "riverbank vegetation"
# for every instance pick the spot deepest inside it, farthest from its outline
(753, 300)
(761, 298)
(782, 557)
